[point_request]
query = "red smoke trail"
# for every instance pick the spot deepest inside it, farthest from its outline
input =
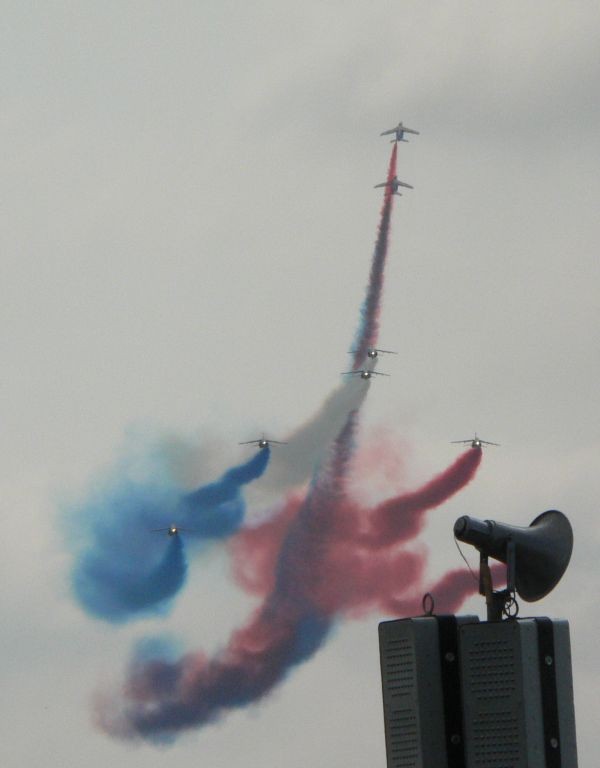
(402, 515)
(449, 594)
(323, 557)
(367, 333)
(363, 566)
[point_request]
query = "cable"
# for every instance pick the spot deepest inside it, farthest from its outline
(465, 559)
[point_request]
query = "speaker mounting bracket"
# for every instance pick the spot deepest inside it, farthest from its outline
(500, 603)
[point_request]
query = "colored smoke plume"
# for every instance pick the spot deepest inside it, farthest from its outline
(368, 330)
(361, 558)
(295, 463)
(321, 559)
(306, 445)
(122, 568)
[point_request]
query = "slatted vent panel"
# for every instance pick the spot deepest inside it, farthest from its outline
(491, 671)
(403, 742)
(399, 677)
(399, 666)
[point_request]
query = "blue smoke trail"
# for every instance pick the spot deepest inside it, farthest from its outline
(116, 594)
(123, 569)
(217, 510)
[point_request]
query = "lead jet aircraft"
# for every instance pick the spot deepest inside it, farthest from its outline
(262, 442)
(399, 130)
(394, 184)
(364, 374)
(476, 442)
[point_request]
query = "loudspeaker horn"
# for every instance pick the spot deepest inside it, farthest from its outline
(541, 551)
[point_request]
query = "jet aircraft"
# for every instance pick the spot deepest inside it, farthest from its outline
(172, 530)
(399, 130)
(262, 442)
(394, 184)
(476, 442)
(364, 374)
(373, 352)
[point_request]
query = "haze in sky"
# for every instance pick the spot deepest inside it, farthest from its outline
(189, 219)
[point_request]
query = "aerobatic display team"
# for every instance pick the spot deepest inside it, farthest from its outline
(317, 557)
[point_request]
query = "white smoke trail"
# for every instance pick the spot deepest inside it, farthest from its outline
(293, 464)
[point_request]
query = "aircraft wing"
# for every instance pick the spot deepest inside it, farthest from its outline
(387, 352)
(410, 130)
(249, 442)
(387, 133)
(404, 184)
(462, 441)
(383, 184)
(276, 442)
(487, 442)
(379, 373)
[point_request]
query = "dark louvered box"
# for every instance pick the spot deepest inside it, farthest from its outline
(413, 696)
(518, 694)
(459, 693)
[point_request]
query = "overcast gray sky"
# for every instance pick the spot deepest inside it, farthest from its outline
(188, 220)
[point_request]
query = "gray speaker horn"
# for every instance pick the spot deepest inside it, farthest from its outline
(536, 556)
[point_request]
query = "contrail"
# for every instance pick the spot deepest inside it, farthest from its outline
(122, 568)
